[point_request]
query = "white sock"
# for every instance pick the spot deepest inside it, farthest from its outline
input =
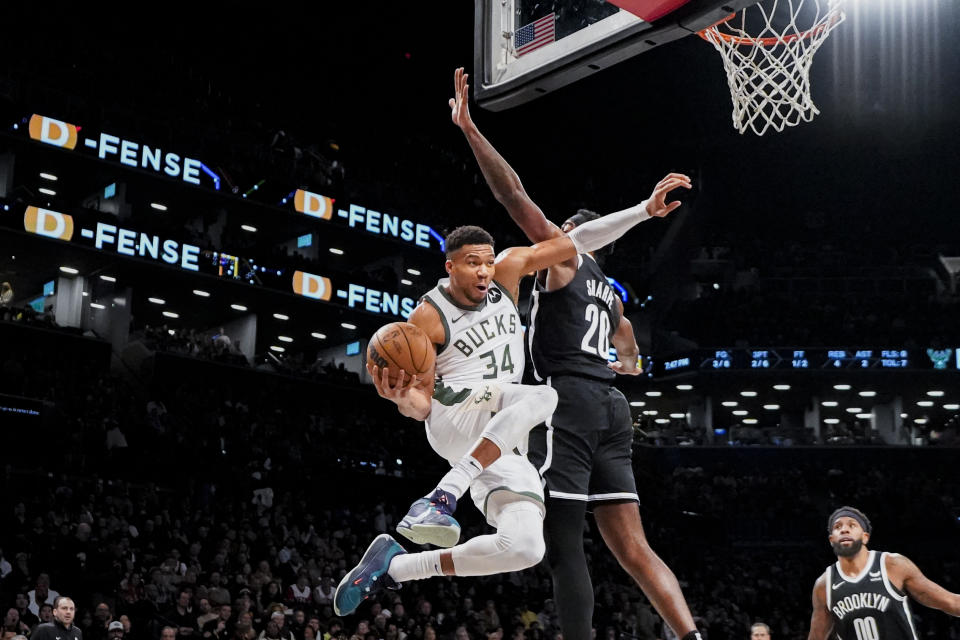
(458, 479)
(415, 566)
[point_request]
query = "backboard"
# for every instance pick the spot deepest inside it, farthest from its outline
(527, 48)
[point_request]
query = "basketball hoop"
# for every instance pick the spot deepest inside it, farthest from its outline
(767, 55)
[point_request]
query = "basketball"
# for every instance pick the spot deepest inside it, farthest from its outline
(401, 345)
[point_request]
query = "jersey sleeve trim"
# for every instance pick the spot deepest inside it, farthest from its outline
(895, 593)
(829, 586)
(507, 293)
(443, 319)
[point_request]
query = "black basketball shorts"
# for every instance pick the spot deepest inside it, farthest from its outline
(583, 452)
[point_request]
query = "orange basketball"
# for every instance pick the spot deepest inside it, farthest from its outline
(401, 345)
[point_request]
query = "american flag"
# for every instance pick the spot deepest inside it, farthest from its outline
(535, 35)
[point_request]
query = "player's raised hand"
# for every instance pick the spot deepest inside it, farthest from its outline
(460, 103)
(657, 205)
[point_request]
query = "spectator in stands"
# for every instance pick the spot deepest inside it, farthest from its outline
(12, 625)
(40, 594)
(222, 626)
(21, 603)
(183, 616)
(759, 631)
(116, 630)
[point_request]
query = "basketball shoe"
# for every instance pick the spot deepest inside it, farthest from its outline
(369, 577)
(430, 521)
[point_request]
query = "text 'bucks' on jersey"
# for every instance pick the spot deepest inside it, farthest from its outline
(867, 606)
(484, 342)
(571, 327)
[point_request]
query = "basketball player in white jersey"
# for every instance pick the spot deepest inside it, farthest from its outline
(865, 595)
(476, 413)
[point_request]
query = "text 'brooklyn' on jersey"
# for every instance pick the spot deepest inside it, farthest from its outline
(867, 606)
(571, 328)
(484, 342)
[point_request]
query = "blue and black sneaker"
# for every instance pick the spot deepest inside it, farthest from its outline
(369, 577)
(430, 521)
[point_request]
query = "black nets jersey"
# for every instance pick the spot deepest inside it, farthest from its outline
(571, 328)
(868, 607)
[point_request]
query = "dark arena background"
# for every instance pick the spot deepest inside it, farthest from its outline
(206, 212)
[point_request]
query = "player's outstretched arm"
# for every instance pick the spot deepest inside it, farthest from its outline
(921, 588)
(515, 262)
(500, 176)
(820, 622)
(626, 345)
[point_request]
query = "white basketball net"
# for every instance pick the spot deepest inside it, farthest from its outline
(769, 71)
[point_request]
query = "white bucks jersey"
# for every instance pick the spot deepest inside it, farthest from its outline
(484, 342)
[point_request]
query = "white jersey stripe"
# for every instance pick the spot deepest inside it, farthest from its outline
(614, 496)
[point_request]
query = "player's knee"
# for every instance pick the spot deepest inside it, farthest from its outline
(524, 548)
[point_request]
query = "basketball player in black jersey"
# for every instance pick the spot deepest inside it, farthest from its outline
(864, 596)
(583, 452)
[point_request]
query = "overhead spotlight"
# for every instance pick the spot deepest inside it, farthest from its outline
(247, 227)
(238, 307)
(158, 206)
(730, 403)
(347, 325)
(829, 403)
(318, 335)
(108, 278)
(951, 407)
(47, 192)
(925, 403)
(638, 403)
(748, 394)
(654, 394)
(741, 412)
(771, 407)
(69, 270)
(157, 300)
(171, 314)
(335, 251)
(935, 394)
(684, 387)
(284, 338)
(650, 412)
(864, 416)
(842, 387)
(868, 394)
(201, 293)
(854, 410)
(678, 415)
(405, 281)
(97, 305)
(920, 420)
(781, 387)
(749, 421)
(413, 272)
(274, 347)
(662, 420)
(48, 176)
(281, 316)
(832, 420)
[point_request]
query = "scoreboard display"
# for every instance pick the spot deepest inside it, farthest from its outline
(796, 359)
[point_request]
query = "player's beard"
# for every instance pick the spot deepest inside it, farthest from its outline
(847, 552)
